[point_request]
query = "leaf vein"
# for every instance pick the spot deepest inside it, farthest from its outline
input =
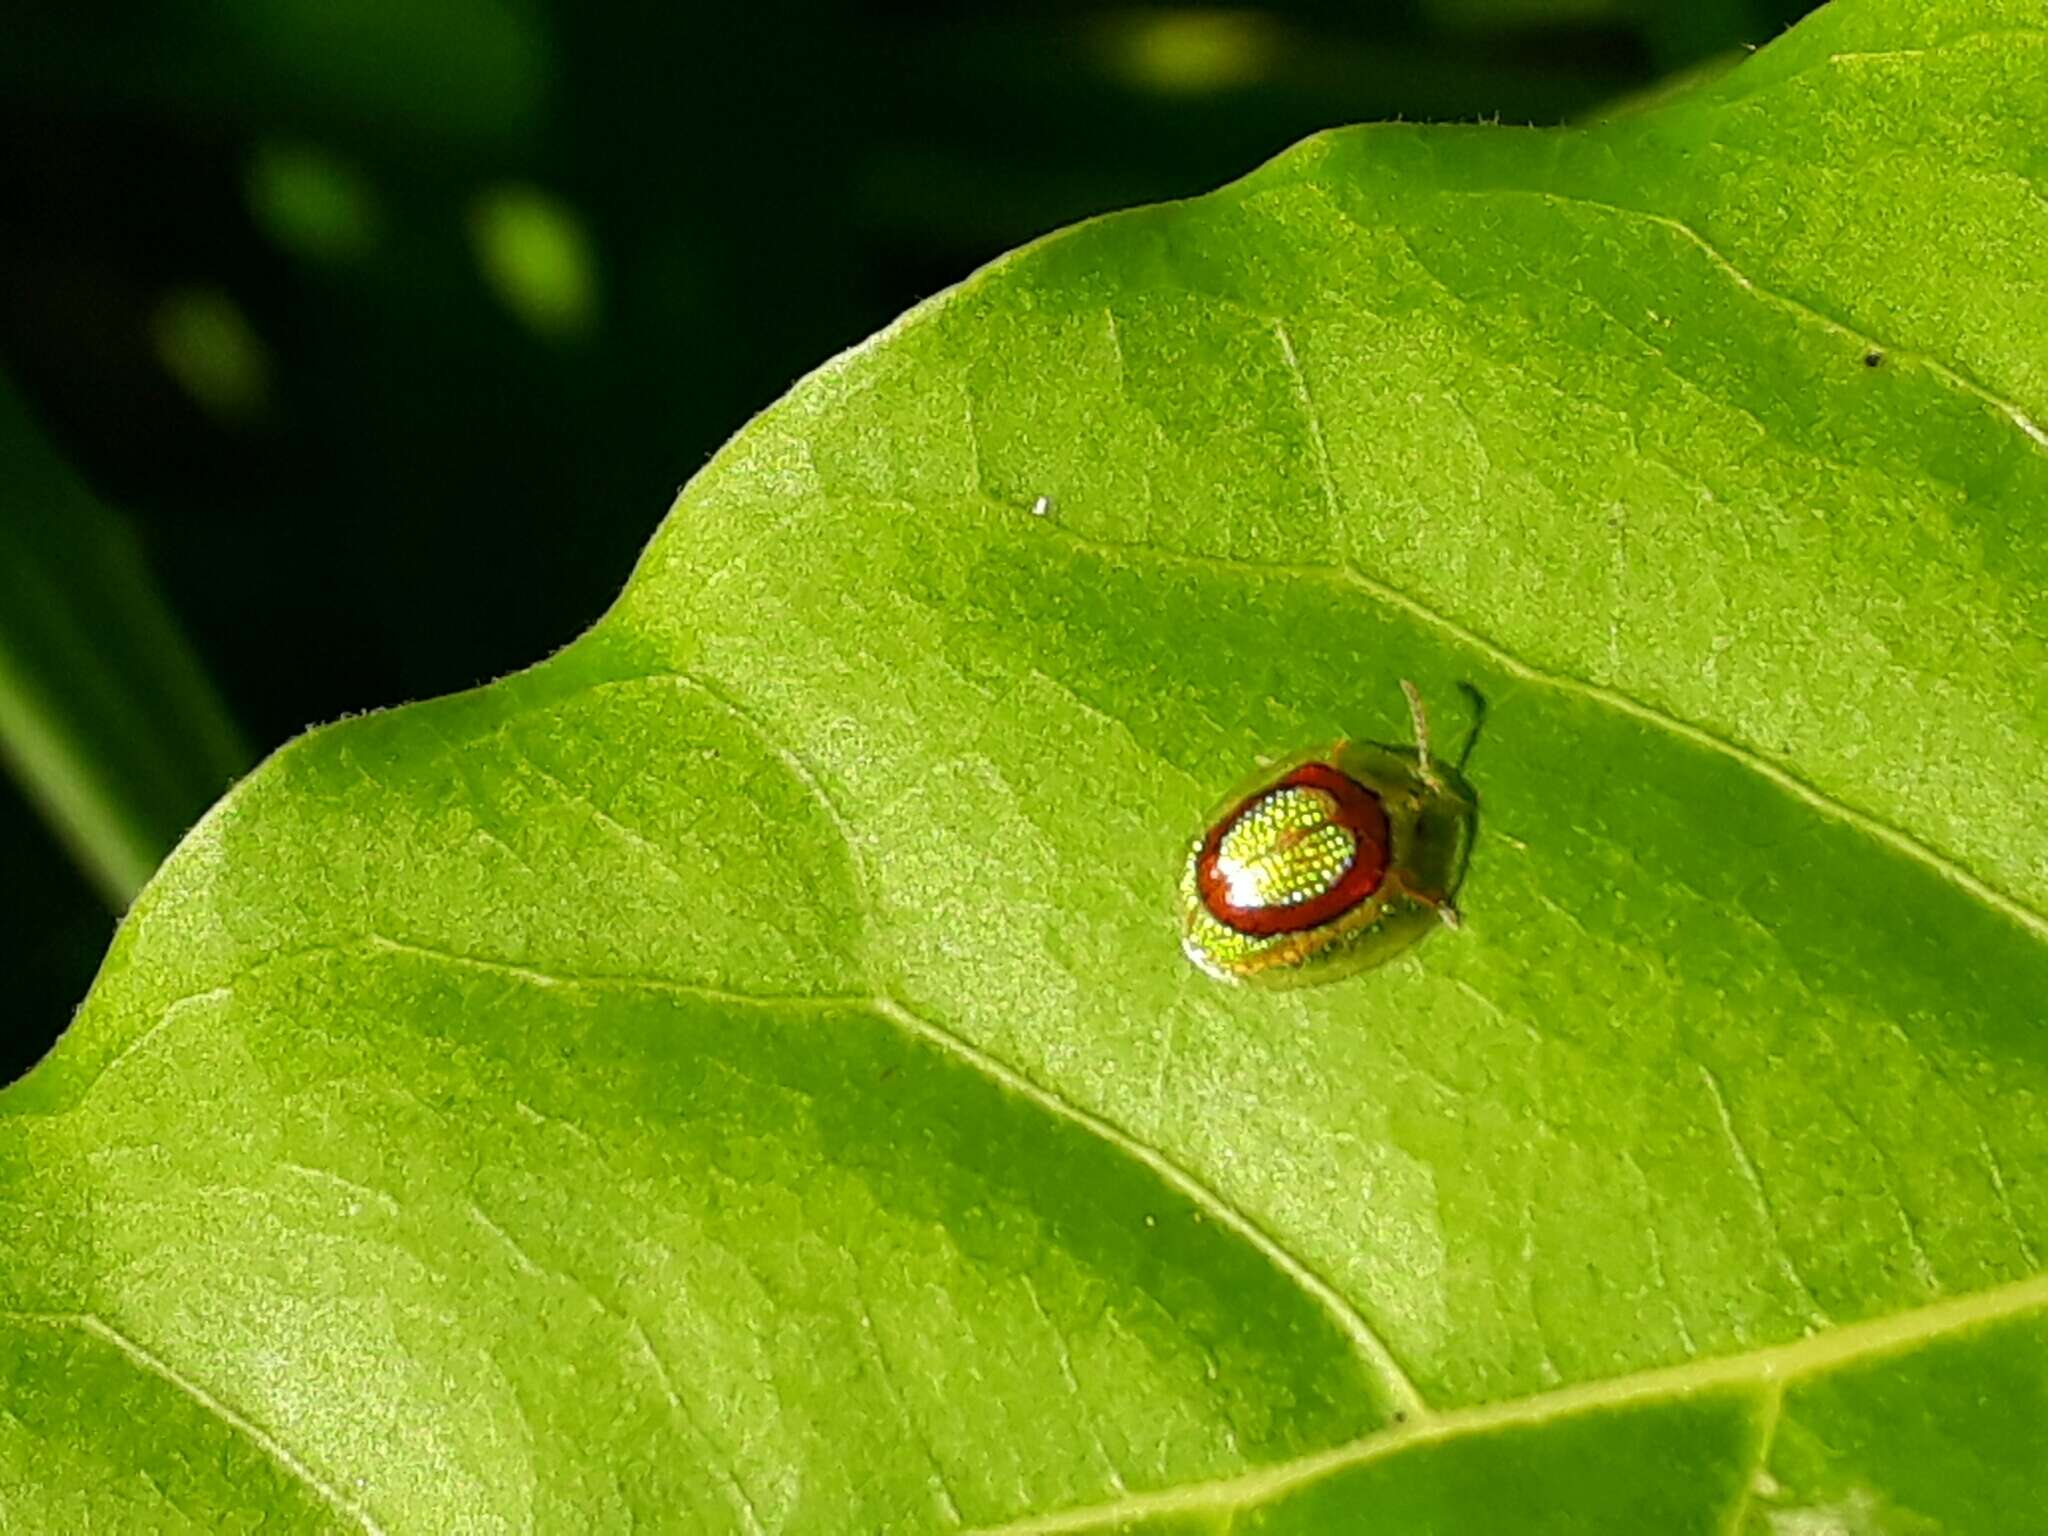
(1947, 372)
(1400, 1389)
(1613, 698)
(727, 1476)
(1367, 1342)
(654, 852)
(1313, 417)
(215, 1407)
(1746, 1165)
(885, 1377)
(1767, 1422)
(1064, 1354)
(1768, 1368)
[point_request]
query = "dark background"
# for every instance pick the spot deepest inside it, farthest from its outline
(254, 287)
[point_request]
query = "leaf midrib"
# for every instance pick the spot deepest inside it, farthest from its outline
(1772, 1367)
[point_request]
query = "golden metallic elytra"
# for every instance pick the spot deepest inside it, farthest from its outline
(1326, 863)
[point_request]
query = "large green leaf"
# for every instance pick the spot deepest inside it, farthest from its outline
(740, 1074)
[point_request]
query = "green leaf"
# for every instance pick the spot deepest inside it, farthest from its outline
(739, 1074)
(106, 717)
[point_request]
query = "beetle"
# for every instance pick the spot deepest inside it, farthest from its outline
(1326, 862)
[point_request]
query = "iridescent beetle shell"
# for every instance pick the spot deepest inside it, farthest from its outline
(1325, 863)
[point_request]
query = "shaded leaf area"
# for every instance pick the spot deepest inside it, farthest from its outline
(739, 1074)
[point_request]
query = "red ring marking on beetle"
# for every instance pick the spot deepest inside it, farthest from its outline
(1358, 811)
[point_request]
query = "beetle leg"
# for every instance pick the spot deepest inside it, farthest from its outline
(1437, 901)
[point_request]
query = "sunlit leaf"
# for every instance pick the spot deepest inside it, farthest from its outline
(741, 1075)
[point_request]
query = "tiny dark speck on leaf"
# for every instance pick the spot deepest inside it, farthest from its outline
(1400, 1418)
(1873, 358)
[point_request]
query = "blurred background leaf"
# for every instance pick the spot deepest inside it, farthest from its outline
(402, 323)
(105, 717)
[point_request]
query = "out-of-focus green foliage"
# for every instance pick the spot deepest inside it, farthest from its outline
(105, 718)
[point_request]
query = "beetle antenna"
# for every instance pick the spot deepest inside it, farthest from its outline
(1423, 764)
